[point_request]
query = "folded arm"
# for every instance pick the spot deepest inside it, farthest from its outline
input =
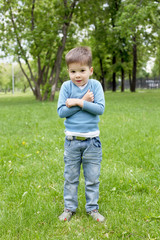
(71, 102)
(90, 103)
(63, 110)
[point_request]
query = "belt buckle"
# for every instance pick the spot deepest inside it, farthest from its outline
(70, 138)
(80, 138)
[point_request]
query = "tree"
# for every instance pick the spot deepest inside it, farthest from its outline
(133, 24)
(99, 36)
(119, 30)
(37, 32)
(154, 16)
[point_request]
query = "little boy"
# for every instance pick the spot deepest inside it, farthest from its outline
(81, 100)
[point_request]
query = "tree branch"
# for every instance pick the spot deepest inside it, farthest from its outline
(32, 14)
(38, 58)
(139, 4)
(61, 48)
(72, 6)
(25, 73)
(18, 41)
(47, 70)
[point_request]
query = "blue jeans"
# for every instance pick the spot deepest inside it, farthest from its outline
(89, 154)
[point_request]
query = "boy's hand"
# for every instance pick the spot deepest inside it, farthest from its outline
(89, 97)
(70, 102)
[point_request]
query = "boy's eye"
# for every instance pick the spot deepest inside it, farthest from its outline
(82, 70)
(72, 71)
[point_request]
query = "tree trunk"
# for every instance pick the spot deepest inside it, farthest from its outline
(37, 92)
(134, 70)
(58, 62)
(114, 74)
(102, 74)
(122, 80)
(122, 76)
(130, 79)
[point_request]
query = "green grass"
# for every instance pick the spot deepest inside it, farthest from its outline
(31, 170)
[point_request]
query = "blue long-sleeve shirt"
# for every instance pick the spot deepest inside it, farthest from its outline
(81, 119)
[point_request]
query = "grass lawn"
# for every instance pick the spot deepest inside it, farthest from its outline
(31, 170)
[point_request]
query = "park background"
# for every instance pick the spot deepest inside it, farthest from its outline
(124, 37)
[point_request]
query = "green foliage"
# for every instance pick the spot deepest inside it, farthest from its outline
(156, 68)
(107, 26)
(31, 166)
(110, 33)
(36, 32)
(5, 77)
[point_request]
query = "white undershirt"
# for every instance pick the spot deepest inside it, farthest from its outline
(82, 87)
(87, 135)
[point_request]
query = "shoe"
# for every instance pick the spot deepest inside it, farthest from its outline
(66, 215)
(96, 216)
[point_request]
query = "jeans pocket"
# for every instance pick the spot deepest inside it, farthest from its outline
(96, 142)
(67, 143)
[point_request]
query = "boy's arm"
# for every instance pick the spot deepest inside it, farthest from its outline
(87, 104)
(96, 107)
(63, 110)
(79, 102)
(93, 108)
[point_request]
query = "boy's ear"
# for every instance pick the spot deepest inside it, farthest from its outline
(91, 71)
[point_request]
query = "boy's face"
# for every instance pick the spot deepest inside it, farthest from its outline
(79, 73)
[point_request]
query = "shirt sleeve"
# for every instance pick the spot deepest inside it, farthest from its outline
(62, 109)
(96, 107)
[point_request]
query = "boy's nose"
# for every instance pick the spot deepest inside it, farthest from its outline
(77, 75)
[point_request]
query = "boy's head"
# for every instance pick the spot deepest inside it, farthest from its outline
(79, 61)
(82, 55)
